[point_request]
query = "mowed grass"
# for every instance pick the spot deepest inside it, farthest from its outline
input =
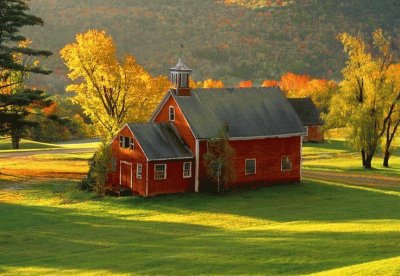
(335, 155)
(28, 145)
(316, 227)
(313, 227)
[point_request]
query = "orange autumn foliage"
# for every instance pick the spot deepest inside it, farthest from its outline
(246, 83)
(210, 83)
(292, 82)
(269, 83)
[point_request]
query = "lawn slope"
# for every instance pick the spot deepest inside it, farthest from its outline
(313, 227)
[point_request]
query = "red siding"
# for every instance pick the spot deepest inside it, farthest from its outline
(133, 157)
(180, 122)
(315, 134)
(268, 153)
(174, 182)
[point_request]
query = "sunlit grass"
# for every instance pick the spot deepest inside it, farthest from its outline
(53, 228)
(28, 145)
(5, 145)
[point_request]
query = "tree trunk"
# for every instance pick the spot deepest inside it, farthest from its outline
(363, 157)
(368, 161)
(15, 142)
(386, 158)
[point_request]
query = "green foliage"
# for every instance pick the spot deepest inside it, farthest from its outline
(363, 102)
(17, 101)
(96, 179)
(226, 42)
(219, 161)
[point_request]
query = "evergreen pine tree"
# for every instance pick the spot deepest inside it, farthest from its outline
(17, 101)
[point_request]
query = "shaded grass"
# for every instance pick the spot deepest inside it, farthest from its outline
(295, 229)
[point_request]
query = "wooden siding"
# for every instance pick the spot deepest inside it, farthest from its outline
(268, 153)
(174, 182)
(130, 156)
(180, 122)
(315, 134)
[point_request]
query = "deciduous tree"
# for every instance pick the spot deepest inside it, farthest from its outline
(110, 92)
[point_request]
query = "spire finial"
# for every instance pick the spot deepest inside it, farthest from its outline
(181, 51)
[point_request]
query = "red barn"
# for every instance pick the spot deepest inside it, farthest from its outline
(310, 117)
(166, 155)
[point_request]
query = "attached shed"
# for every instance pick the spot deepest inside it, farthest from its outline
(310, 117)
(151, 159)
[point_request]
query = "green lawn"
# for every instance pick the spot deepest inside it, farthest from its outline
(316, 227)
(28, 145)
(50, 228)
(334, 155)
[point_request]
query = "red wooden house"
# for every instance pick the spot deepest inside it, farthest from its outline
(166, 155)
(310, 117)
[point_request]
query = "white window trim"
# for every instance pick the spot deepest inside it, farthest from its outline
(169, 113)
(121, 141)
(190, 170)
(291, 163)
(306, 129)
(139, 165)
(255, 166)
(165, 174)
(131, 143)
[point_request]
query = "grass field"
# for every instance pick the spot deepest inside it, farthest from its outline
(48, 227)
(28, 145)
(316, 227)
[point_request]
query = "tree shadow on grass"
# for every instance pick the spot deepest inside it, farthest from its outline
(309, 201)
(63, 239)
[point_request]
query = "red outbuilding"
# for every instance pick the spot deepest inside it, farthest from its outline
(310, 117)
(166, 154)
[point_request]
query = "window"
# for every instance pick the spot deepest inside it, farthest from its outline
(126, 142)
(286, 163)
(187, 169)
(172, 113)
(160, 171)
(113, 164)
(250, 166)
(131, 144)
(306, 130)
(183, 80)
(121, 141)
(139, 170)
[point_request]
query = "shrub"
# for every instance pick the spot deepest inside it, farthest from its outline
(96, 178)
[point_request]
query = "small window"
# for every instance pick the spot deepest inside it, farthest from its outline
(126, 142)
(131, 144)
(216, 168)
(286, 163)
(187, 169)
(160, 171)
(139, 170)
(183, 80)
(121, 141)
(113, 164)
(250, 166)
(172, 113)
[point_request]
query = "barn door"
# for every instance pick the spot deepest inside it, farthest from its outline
(125, 174)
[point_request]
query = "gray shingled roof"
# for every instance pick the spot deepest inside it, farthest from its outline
(160, 141)
(307, 111)
(249, 112)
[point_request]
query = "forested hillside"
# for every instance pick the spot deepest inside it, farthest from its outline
(231, 40)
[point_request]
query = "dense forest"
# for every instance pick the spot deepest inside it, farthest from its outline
(231, 40)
